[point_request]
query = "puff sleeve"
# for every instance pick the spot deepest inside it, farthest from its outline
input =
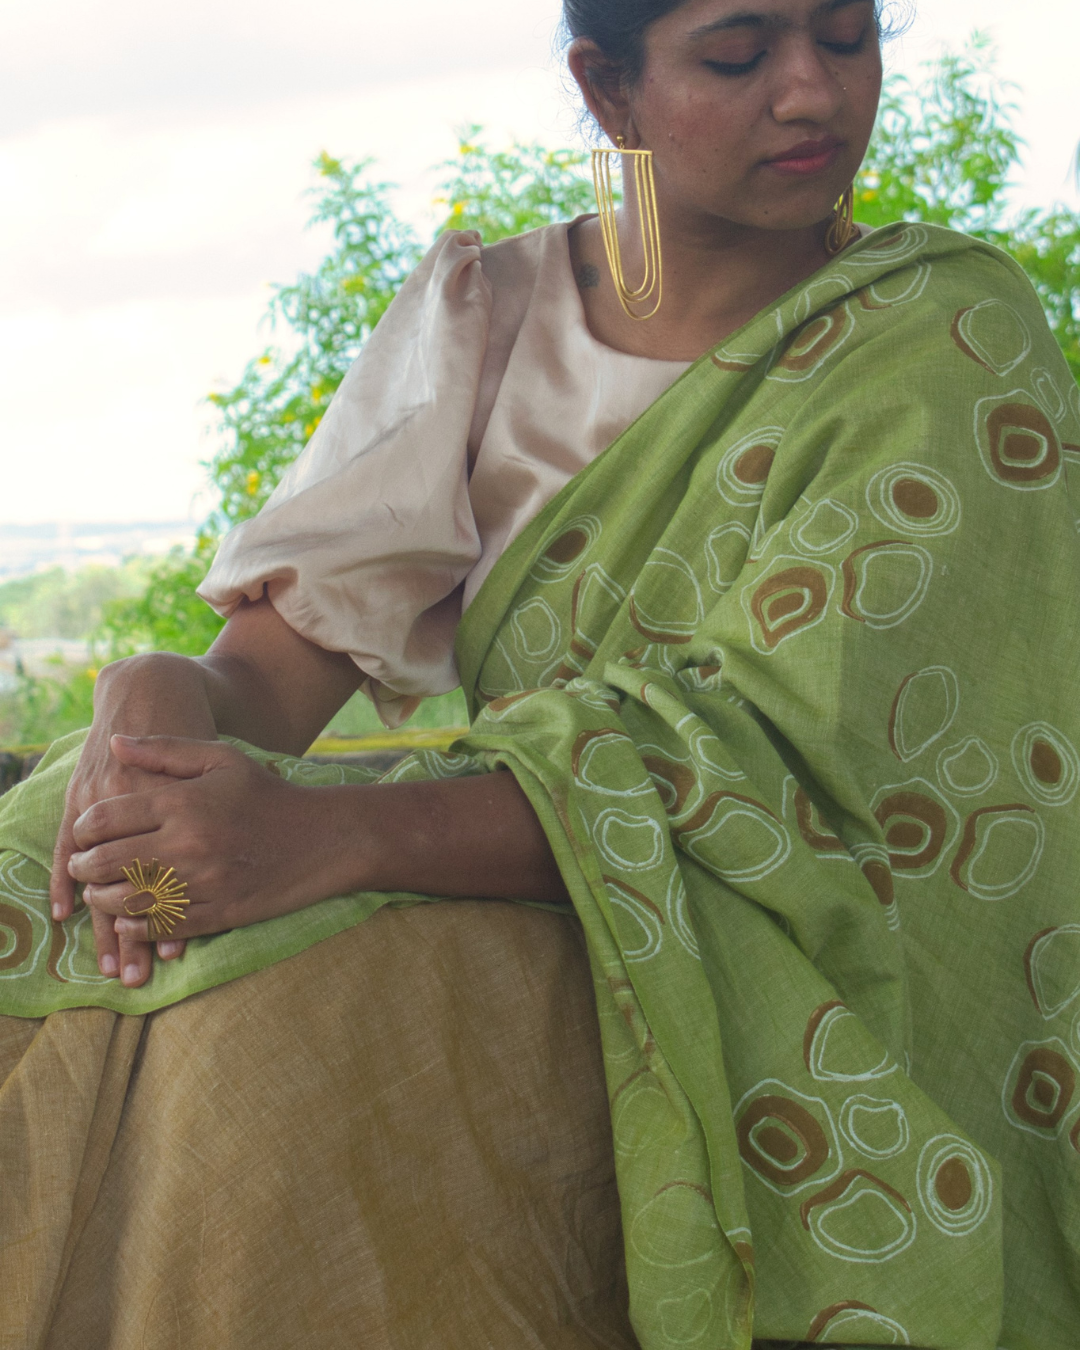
(365, 543)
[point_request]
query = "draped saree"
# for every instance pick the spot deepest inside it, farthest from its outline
(787, 676)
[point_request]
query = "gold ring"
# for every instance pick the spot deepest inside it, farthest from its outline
(166, 893)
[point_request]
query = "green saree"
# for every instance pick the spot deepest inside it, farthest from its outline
(786, 674)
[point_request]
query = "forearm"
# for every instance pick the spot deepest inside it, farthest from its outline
(260, 682)
(156, 694)
(460, 837)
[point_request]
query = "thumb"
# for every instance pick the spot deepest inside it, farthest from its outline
(176, 756)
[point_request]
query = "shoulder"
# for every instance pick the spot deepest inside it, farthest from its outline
(961, 269)
(921, 293)
(517, 267)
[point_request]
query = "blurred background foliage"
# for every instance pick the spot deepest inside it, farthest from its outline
(945, 152)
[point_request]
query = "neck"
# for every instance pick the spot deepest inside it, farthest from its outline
(717, 276)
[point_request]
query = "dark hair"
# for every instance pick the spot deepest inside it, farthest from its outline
(618, 26)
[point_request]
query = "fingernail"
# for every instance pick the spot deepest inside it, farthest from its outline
(132, 974)
(110, 966)
(167, 949)
(58, 913)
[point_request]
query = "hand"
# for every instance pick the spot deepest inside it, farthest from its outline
(248, 844)
(154, 692)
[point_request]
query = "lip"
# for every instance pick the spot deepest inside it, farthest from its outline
(808, 157)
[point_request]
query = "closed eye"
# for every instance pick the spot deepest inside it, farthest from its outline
(740, 68)
(847, 48)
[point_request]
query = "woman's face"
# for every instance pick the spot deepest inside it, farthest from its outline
(758, 111)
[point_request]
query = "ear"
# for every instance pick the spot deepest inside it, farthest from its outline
(603, 88)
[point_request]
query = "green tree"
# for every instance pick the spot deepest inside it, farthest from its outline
(59, 604)
(945, 151)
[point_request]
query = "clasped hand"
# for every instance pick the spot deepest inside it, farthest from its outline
(239, 836)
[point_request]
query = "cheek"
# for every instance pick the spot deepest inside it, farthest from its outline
(695, 136)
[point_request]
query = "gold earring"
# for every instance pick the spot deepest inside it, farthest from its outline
(842, 229)
(645, 190)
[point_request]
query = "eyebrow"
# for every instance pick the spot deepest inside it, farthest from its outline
(748, 19)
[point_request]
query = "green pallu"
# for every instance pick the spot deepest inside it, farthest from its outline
(787, 674)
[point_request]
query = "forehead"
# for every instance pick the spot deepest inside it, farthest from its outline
(700, 18)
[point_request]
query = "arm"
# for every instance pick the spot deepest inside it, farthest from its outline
(252, 846)
(260, 681)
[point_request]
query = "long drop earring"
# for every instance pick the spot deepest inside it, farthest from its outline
(652, 284)
(842, 228)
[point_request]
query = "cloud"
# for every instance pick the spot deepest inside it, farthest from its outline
(70, 58)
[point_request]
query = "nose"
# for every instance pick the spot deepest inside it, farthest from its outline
(807, 87)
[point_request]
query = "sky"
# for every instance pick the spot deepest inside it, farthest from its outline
(153, 165)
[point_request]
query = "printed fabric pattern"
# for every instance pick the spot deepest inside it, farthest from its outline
(787, 675)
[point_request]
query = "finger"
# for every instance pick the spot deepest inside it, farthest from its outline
(118, 818)
(61, 882)
(104, 865)
(173, 755)
(138, 930)
(107, 943)
(195, 921)
(136, 959)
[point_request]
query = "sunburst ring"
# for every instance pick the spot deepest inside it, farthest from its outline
(164, 891)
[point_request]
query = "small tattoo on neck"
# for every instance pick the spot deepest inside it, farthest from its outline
(588, 277)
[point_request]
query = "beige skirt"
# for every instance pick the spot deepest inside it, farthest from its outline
(397, 1140)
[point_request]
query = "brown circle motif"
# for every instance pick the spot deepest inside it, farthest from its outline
(956, 1186)
(813, 829)
(21, 930)
(916, 499)
(918, 825)
(817, 340)
(753, 465)
(787, 602)
(915, 829)
(781, 1141)
(567, 547)
(1044, 1089)
(953, 1185)
(1019, 444)
(1000, 852)
(674, 782)
(1047, 762)
(832, 1217)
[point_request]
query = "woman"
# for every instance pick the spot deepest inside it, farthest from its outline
(758, 682)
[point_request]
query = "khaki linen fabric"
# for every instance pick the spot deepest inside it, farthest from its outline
(396, 1140)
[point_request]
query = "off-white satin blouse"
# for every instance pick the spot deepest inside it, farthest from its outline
(478, 396)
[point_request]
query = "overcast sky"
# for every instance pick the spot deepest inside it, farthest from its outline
(153, 160)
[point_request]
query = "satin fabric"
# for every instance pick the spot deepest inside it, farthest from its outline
(478, 397)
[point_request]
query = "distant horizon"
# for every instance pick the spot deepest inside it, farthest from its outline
(29, 548)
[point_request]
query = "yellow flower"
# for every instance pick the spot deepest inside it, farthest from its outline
(91, 673)
(264, 360)
(870, 195)
(466, 149)
(253, 481)
(459, 209)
